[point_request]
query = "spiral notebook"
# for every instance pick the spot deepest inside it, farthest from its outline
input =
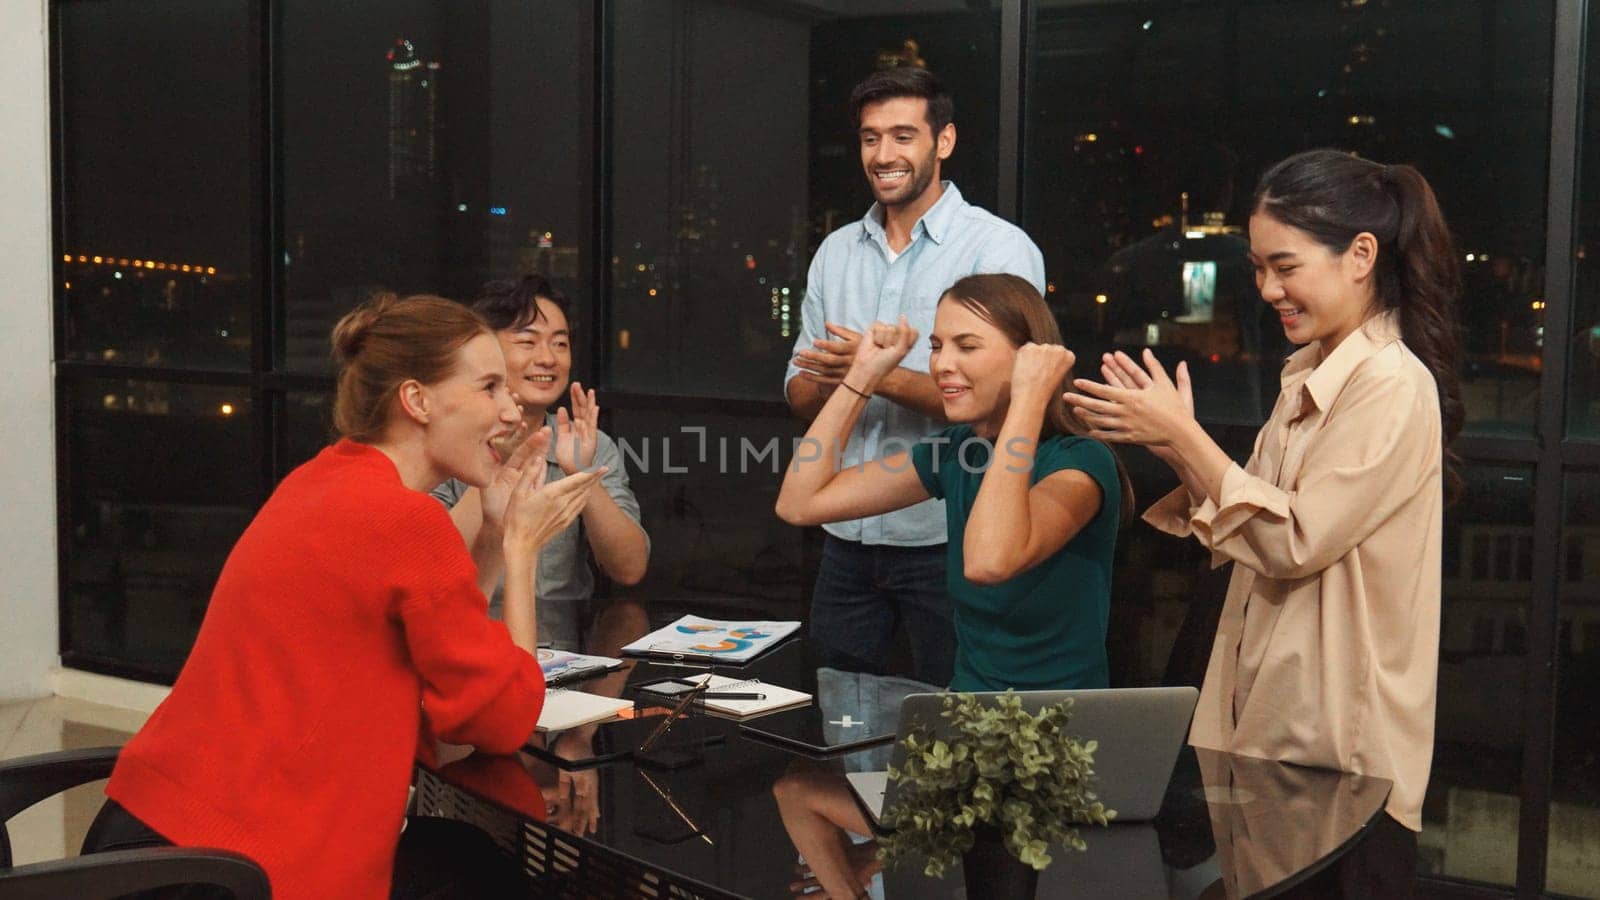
(771, 697)
(565, 709)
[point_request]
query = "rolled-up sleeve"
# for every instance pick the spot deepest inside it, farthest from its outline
(812, 317)
(1379, 448)
(1243, 497)
(615, 481)
(1172, 513)
(1175, 513)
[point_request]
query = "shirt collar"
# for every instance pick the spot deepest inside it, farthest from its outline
(935, 223)
(1328, 376)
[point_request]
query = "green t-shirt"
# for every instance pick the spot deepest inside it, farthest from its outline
(1044, 629)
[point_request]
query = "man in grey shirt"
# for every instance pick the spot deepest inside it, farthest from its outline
(529, 318)
(918, 239)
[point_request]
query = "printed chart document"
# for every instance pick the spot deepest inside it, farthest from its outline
(692, 638)
(758, 697)
(562, 666)
(564, 709)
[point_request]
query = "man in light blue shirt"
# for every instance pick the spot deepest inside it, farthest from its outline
(917, 240)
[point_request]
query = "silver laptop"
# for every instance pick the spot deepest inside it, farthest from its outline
(1139, 731)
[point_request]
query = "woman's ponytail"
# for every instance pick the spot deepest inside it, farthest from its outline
(1424, 290)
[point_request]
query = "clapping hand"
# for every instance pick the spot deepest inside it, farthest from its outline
(537, 512)
(577, 436)
(828, 361)
(1135, 405)
(498, 491)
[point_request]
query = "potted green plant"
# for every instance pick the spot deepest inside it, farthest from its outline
(997, 786)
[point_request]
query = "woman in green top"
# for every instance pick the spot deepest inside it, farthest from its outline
(1032, 506)
(1033, 510)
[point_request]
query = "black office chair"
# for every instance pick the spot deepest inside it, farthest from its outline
(29, 779)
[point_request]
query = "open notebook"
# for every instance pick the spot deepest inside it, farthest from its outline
(770, 697)
(565, 709)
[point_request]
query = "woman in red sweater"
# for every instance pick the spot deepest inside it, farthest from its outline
(347, 627)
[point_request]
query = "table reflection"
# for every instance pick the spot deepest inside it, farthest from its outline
(721, 818)
(1231, 826)
(574, 798)
(1277, 824)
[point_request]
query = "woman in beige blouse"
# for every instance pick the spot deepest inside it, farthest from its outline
(1327, 650)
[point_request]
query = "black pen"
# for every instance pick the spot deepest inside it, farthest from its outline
(732, 695)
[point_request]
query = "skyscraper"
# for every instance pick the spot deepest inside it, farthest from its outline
(413, 119)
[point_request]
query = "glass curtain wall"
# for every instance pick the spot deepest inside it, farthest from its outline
(157, 234)
(241, 174)
(1147, 126)
(732, 159)
(1573, 866)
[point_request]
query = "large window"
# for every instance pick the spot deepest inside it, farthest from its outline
(1575, 810)
(159, 486)
(1469, 816)
(417, 149)
(234, 175)
(1575, 807)
(159, 255)
(159, 140)
(1147, 126)
(1583, 400)
(427, 148)
(735, 157)
(706, 483)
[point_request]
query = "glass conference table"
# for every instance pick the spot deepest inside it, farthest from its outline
(707, 825)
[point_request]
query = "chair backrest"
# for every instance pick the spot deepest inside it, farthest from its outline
(27, 780)
(101, 876)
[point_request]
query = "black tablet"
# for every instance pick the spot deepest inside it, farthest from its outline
(814, 733)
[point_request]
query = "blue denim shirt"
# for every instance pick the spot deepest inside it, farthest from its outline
(853, 283)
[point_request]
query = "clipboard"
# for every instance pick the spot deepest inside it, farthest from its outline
(692, 640)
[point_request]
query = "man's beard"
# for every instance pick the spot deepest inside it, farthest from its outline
(922, 179)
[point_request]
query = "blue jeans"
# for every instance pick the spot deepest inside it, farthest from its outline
(864, 592)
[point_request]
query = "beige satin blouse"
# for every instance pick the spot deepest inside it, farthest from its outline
(1327, 651)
